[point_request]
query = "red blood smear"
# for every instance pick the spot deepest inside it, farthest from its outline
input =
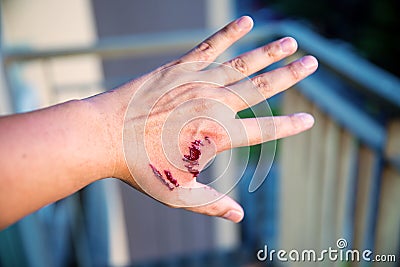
(194, 153)
(170, 178)
(194, 172)
(197, 142)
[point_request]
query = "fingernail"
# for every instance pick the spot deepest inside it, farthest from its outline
(244, 22)
(307, 119)
(309, 62)
(233, 215)
(287, 44)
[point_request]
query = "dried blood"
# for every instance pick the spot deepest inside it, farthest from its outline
(170, 178)
(193, 156)
(194, 172)
(197, 143)
(194, 153)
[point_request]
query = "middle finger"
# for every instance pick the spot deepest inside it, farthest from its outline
(252, 61)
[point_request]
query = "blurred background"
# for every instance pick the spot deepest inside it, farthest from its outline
(339, 180)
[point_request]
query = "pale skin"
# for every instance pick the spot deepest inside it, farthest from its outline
(48, 154)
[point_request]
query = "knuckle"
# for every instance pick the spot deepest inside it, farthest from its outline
(228, 32)
(214, 209)
(262, 84)
(293, 72)
(269, 51)
(240, 65)
(205, 50)
(205, 47)
(226, 35)
(168, 65)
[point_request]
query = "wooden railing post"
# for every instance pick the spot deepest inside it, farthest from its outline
(388, 221)
(392, 150)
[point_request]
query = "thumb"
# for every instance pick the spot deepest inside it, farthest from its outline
(224, 207)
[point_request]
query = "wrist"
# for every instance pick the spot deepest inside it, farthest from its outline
(106, 115)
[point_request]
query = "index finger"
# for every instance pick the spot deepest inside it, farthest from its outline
(208, 50)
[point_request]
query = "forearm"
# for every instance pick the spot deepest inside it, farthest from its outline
(49, 154)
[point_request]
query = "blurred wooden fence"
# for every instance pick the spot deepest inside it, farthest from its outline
(335, 186)
(341, 180)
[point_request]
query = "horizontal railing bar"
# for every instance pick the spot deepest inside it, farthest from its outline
(141, 44)
(376, 80)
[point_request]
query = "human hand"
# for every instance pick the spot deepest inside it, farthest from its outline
(175, 119)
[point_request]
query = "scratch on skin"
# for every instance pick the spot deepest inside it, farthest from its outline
(172, 181)
(161, 178)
